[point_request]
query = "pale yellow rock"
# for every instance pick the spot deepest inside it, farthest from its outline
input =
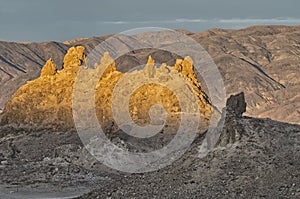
(107, 63)
(178, 65)
(163, 68)
(149, 70)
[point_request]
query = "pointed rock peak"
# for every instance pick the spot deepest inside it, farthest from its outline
(106, 54)
(187, 67)
(80, 52)
(107, 63)
(150, 60)
(149, 70)
(188, 61)
(74, 57)
(49, 61)
(178, 65)
(106, 59)
(49, 68)
(178, 61)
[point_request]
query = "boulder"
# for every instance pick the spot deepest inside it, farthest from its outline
(236, 104)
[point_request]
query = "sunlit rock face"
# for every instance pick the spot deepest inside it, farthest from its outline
(74, 57)
(47, 100)
(49, 68)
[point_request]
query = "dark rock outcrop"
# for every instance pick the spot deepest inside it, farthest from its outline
(236, 104)
(232, 130)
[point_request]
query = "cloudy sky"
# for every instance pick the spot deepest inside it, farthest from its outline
(59, 20)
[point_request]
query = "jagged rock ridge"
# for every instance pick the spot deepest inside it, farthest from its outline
(47, 100)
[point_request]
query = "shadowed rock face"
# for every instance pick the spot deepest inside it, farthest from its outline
(47, 100)
(236, 104)
(261, 61)
(231, 114)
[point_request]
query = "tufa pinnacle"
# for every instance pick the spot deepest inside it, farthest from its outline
(74, 57)
(47, 102)
(49, 68)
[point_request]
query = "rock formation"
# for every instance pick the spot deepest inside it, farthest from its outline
(108, 62)
(149, 70)
(186, 68)
(236, 104)
(49, 68)
(74, 57)
(232, 130)
(48, 101)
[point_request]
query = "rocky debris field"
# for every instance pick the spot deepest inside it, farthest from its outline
(254, 158)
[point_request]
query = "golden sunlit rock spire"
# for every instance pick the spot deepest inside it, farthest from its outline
(149, 70)
(49, 68)
(75, 57)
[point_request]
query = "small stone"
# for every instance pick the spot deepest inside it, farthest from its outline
(46, 159)
(4, 162)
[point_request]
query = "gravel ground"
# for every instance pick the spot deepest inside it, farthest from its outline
(262, 163)
(254, 158)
